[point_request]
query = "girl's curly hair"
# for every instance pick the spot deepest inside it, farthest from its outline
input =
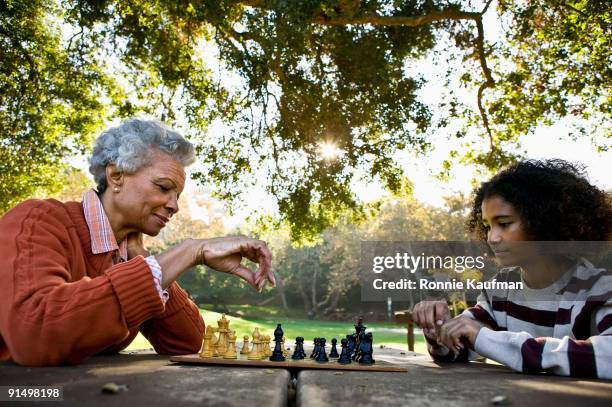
(555, 200)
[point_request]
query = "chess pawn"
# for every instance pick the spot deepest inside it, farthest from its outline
(298, 352)
(333, 353)
(345, 357)
(285, 354)
(207, 343)
(256, 349)
(230, 353)
(322, 356)
(299, 344)
(245, 345)
(315, 350)
(267, 350)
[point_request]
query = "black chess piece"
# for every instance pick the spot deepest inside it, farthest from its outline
(360, 338)
(359, 325)
(277, 354)
(345, 356)
(298, 353)
(351, 344)
(322, 355)
(333, 353)
(366, 350)
(315, 350)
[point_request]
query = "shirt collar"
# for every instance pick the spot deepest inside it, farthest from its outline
(102, 237)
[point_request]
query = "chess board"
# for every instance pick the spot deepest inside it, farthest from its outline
(307, 363)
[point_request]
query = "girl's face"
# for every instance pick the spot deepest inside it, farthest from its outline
(504, 232)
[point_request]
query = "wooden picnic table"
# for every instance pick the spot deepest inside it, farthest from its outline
(153, 380)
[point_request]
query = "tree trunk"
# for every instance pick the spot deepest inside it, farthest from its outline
(280, 286)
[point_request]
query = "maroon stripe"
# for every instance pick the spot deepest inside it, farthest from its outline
(582, 323)
(483, 316)
(577, 284)
(605, 323)
(581, 359)
(561, 316)
(532, 350)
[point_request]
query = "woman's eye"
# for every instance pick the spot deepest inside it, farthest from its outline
(163, 188)
(505, 224)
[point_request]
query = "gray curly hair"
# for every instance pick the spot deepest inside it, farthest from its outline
(129, 145)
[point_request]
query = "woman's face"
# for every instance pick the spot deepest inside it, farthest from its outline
(149, 197)
(504, 232)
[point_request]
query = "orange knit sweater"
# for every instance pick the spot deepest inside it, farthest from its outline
(60, 303)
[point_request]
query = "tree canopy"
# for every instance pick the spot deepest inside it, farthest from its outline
(312, 72)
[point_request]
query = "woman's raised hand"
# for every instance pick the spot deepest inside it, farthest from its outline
(225, 254)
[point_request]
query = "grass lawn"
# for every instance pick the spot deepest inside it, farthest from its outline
(390, 335)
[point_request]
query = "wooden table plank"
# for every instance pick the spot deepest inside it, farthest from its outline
(454, 385)
(152, 381)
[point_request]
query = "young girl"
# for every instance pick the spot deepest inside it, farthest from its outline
(561, 322)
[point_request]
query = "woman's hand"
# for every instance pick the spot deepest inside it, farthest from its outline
(225, 254)
(135, 246)
(431, 315)
(458, 328)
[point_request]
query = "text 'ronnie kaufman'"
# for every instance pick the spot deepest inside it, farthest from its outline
(424, 284)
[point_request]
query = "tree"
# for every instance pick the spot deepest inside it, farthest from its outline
(50, 99)
(329, 71)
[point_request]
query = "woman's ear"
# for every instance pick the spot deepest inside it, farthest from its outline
(114, 177)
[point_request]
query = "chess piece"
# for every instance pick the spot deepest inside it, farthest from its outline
(230, 352)
(351, 344)
(298, 352)
(302, 347)
(365, 350)
(266, 347)
(256, 352)
(245, 345)
(214, 342)
(283, 348)
(360, 338)
(333, 353)
(223, 329)
(277, 354)
(322, 355)
(359, 325)
(315, 350)
(207, 343)
(345, 356)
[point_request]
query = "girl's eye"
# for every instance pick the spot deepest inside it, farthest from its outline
(163, 188)
(505, 224)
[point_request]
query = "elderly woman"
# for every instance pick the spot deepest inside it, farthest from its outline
(76, 279)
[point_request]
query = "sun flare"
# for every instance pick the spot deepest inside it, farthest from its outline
(329, 151)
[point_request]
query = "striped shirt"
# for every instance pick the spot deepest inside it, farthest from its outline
(103, 240)
(565, 329)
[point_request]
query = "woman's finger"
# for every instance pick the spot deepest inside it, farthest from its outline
(247, 275)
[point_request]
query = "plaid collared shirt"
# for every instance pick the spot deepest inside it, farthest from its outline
(103, 240)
